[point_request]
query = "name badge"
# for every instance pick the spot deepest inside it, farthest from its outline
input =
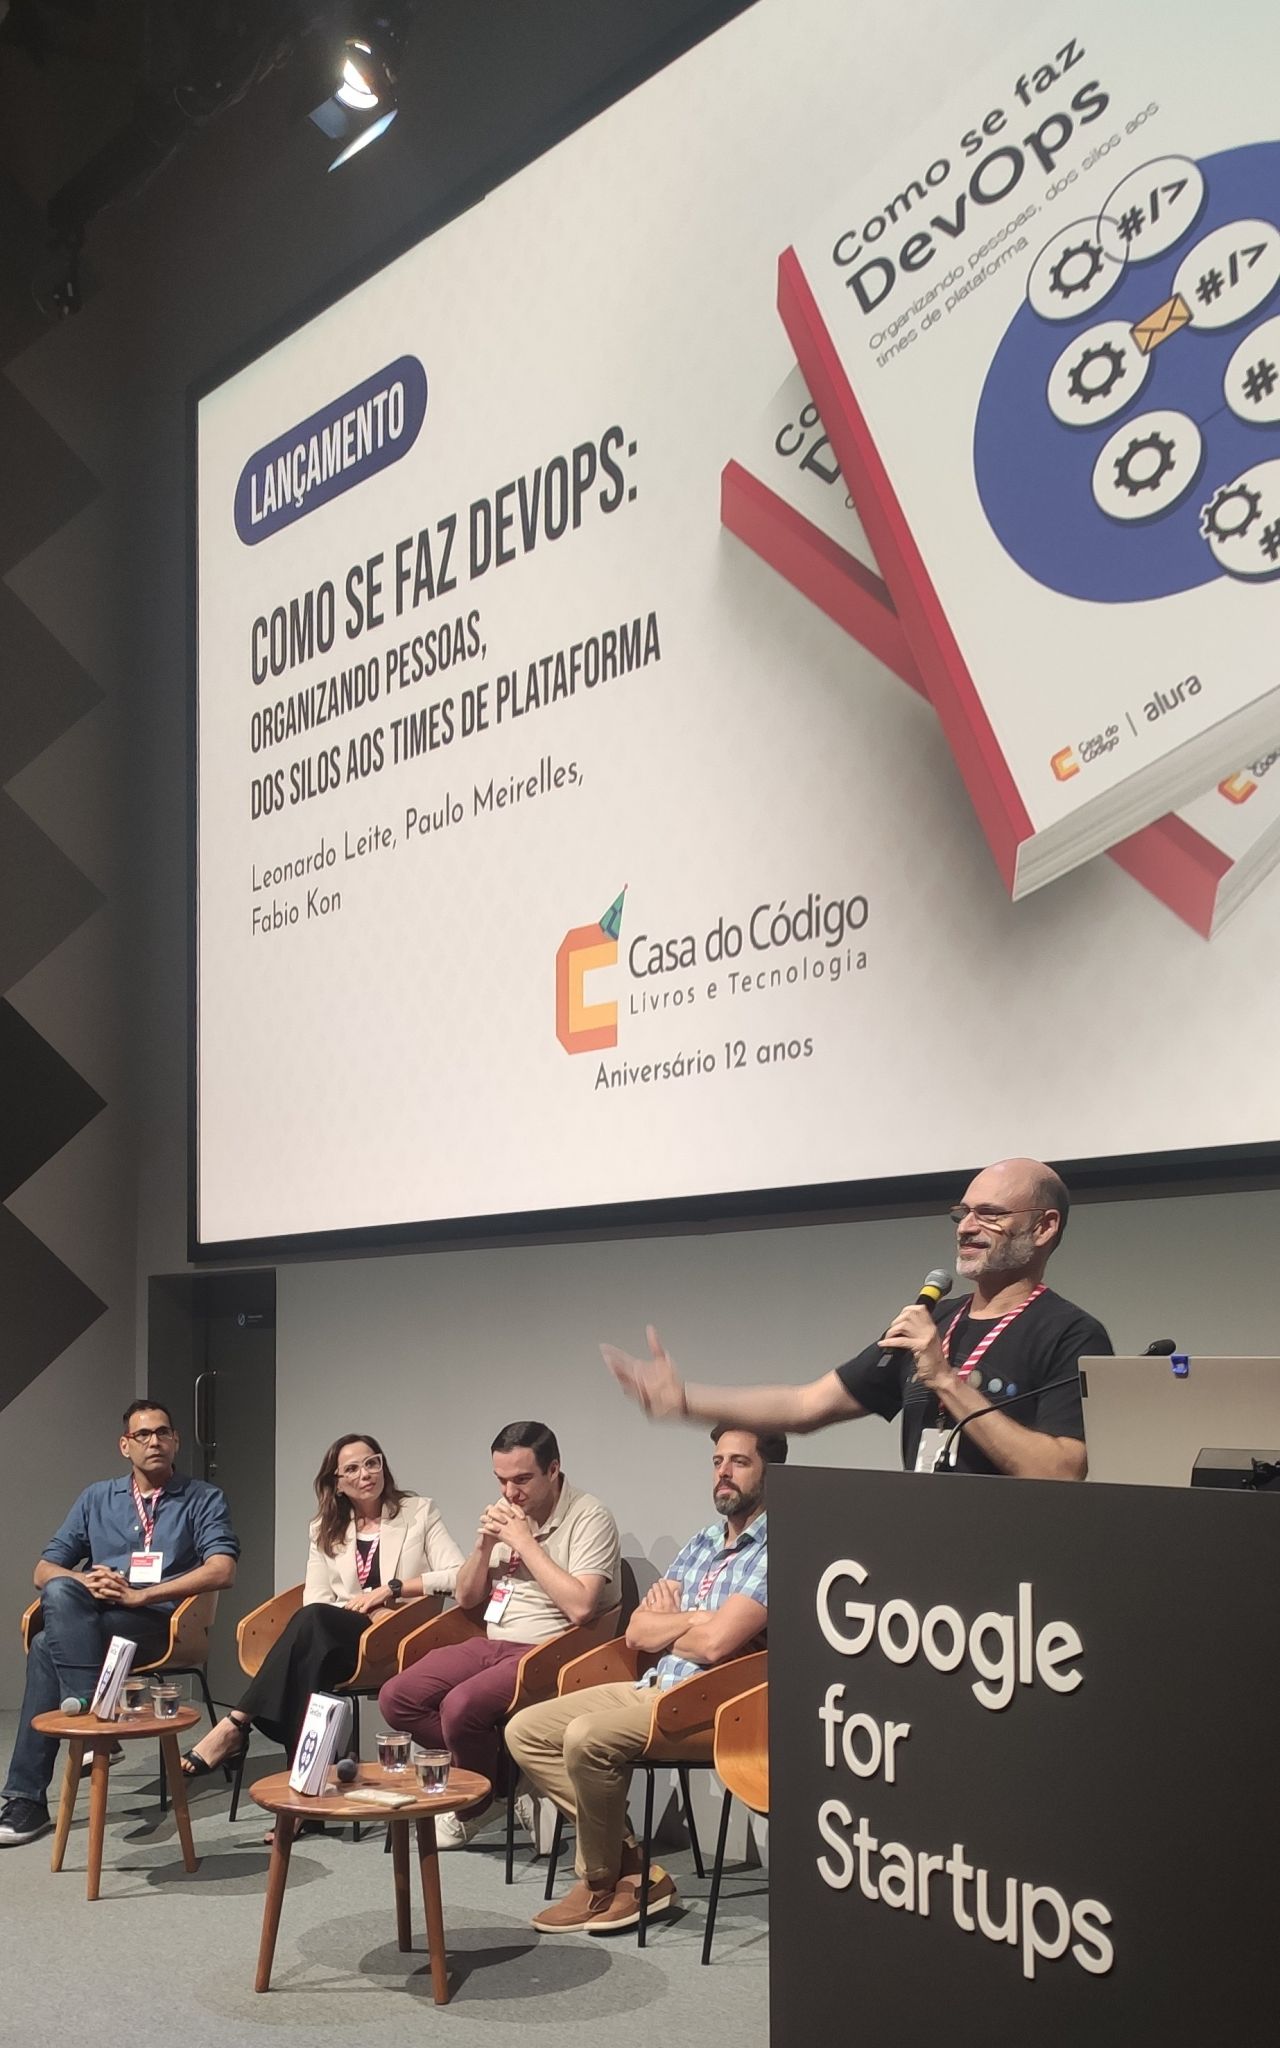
(931, 1442)
(146, 1567)
(499, 1594)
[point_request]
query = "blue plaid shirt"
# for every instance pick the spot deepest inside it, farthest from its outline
(747, 1571)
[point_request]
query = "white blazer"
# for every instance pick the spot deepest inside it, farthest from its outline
(414, 1544)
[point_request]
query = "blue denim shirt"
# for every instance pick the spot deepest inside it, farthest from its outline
(193, 1524)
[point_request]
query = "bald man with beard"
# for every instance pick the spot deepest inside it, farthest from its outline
(1011, 1335)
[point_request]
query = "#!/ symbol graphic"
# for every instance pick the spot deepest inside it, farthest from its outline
(1131, 223)
(1259, 381)
(1210, 287)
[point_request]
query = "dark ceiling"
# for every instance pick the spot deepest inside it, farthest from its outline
(122, 119)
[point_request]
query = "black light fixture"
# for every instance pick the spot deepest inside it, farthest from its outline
(363, 103)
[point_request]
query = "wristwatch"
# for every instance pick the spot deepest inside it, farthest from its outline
(395, 1587)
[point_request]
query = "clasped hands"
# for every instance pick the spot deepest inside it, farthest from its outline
(112, 1588)
(504, 1522)
(369, 1601)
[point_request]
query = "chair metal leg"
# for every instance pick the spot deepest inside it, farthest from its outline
(164, 1781)
(557, 1841)
(512, 1775)
(716, 1876)
(682, 1772)
(646, 1858)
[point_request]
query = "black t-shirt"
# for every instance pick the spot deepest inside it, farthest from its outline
(1047, 1342)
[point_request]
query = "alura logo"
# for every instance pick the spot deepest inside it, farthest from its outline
(352, 438)
(582, 1026)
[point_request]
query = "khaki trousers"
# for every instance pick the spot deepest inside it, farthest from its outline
(579, 1751)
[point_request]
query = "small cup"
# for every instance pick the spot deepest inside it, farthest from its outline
(432, 1767)
(393, 1750)
(166, 1698)
(133, 1699)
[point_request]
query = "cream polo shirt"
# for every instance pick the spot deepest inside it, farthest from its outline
(580, 1535)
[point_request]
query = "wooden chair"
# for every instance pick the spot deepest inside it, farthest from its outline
(258, 1631)
(186, 1654)
(681, 1733)
(740, 1755)
(537, 1673)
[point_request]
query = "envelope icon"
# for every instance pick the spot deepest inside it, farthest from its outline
(1158, 326)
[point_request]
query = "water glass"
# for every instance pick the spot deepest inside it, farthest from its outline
(133, 1699)
(393, 1751)
(166, 1697)
(432, 1766)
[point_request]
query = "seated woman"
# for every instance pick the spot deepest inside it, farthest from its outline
(371, 1545)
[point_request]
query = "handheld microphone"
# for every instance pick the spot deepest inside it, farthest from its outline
(348, 1770)
(75, 1703)
(936, 1284)
(1161, 1347)
(942, 1463)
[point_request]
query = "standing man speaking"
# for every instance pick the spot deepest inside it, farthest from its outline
(1011, 1337)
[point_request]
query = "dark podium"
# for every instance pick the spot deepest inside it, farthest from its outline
(1024, 1762)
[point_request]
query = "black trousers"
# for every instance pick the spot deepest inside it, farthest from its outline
(320, 1648)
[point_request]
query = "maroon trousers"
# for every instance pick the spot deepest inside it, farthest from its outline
(456, 1699)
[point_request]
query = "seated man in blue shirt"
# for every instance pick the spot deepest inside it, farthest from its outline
(128, 1552)
(712, 1605)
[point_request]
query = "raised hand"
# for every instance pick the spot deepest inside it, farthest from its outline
(653, 1383)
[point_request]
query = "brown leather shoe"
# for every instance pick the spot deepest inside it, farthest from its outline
(577, 1909)
(623, 1909)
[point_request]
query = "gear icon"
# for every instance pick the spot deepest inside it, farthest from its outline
(1065, 286)
(1230, 512)
(1133, 475)
(1085, 387)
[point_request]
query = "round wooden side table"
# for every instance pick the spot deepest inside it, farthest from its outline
(83, 1732)
(335, 1803)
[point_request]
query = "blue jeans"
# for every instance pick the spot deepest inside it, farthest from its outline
(65, 1658)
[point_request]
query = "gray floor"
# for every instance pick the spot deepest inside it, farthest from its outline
(164, 1957)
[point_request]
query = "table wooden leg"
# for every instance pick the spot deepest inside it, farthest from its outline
(97, 1813)
(429, 1863)
(178, 1793)
(399, 1832)
(67, 1803)
(277, 1875)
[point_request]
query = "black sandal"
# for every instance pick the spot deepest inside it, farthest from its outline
(196, 1766)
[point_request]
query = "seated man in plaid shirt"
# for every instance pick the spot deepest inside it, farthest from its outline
(579, 1750)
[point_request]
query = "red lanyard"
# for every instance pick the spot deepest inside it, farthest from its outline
(364, 1558)
(148, 1521)
(984, 1344)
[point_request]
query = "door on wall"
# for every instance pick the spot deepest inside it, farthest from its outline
(211, 1358)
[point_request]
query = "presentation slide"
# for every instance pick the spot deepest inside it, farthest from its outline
(553, 850)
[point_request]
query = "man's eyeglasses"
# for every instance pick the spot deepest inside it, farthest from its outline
(147, 1436)
(987, 1217)
(358, 1471)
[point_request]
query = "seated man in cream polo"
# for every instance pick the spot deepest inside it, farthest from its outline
(545, 1558)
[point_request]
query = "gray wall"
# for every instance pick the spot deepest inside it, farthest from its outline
(433, 1352)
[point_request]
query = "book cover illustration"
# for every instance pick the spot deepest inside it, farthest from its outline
(1063, 440)
(785, 496)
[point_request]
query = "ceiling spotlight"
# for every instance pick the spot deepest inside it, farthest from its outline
(362, 104)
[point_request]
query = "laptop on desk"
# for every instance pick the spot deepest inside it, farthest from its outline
(1145, 1422)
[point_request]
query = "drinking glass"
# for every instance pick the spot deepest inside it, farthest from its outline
(133, 1699)
(166, 1697)
(432, 1766)
(393, 1751)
